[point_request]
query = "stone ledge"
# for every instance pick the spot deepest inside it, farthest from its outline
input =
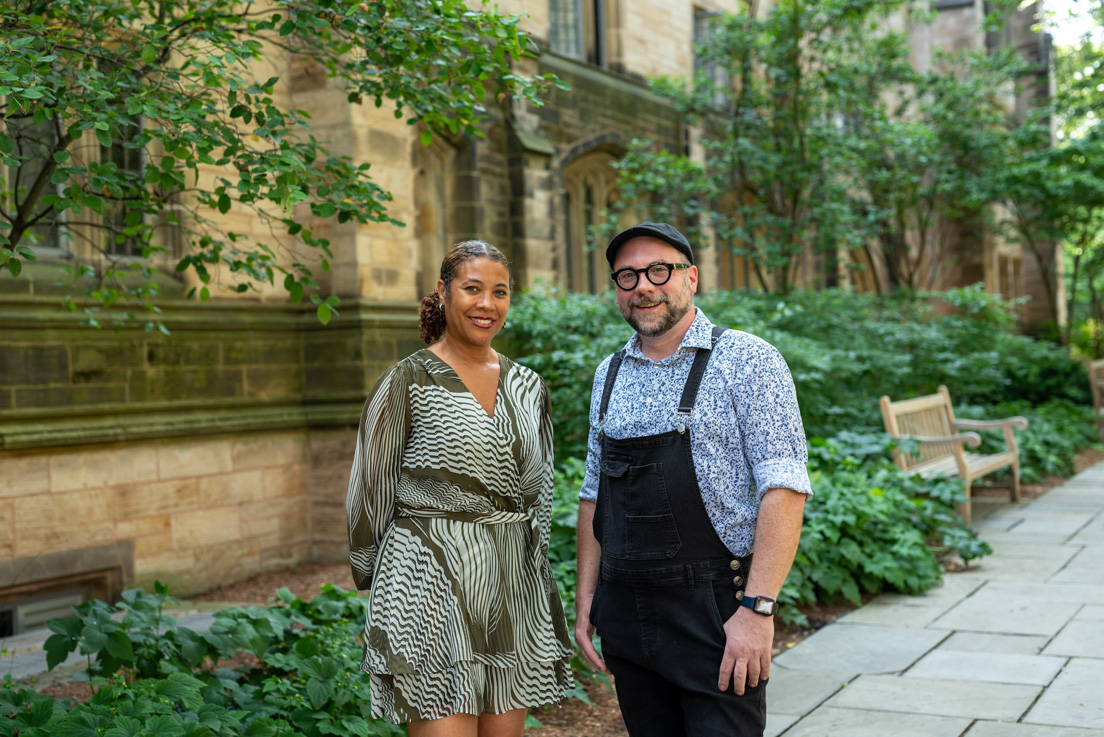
(65, 430)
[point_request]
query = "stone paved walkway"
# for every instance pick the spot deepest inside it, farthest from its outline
(1012, 647)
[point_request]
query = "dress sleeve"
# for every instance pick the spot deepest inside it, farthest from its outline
(545, 469)
(381, 439)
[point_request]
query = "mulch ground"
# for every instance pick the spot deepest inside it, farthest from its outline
(601, 718)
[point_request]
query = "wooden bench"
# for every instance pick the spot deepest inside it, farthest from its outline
(931, 422)
(1096, 381)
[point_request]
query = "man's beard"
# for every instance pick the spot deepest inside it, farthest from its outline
(676, 309)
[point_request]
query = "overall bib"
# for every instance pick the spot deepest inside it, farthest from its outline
(666, 583)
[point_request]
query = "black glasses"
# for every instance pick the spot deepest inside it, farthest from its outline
(658, 273)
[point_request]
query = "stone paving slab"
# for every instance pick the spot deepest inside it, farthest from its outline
(1081, 638)
(1068, 575)
(902, 610)
(1014, 536)
(1007, 729)
(778, 723)
(1063, 523)
(1091, 534)
(832, 722)
(988, 667)
(1050, 594)
(995, 524)
(1075, 699)
(1007, 549)
(1091, 612)
(798, 692)
(987, 642)
(993, 609)
(994, 568)
(971, 700)
(1088, 557)
(895, 612)
(848, 649)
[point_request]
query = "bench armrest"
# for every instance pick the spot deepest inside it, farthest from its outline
(1020, 423)
(970, 439)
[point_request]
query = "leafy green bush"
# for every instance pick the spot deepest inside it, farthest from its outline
(305, 679)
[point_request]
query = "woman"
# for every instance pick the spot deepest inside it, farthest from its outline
(449, 513)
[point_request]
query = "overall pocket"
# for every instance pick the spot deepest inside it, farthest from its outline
(640, 524)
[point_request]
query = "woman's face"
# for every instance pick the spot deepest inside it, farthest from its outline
(477, 301)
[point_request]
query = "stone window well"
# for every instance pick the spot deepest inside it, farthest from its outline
(38, 588)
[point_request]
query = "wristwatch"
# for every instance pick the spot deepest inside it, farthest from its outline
(762, 605)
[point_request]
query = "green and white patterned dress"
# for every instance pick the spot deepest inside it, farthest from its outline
(449, 513)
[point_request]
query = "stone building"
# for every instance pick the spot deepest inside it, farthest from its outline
(224, 449)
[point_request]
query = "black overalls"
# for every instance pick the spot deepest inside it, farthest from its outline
(666, 583)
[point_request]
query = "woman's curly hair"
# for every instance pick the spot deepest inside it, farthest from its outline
(431, 314)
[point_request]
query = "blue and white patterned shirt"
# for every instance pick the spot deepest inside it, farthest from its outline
(745, 433)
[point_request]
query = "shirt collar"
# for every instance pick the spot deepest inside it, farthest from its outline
(698, 335)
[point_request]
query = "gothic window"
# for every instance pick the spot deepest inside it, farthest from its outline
(578, 29)
(33, 145)
(590, 185)
(128, 158)
(711, 70)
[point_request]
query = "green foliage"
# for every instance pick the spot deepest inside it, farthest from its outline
(88, 89)
(563, 337)
(306, 679)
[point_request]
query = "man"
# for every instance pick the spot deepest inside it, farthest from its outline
(697, 455)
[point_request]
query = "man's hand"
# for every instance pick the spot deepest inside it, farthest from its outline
(747, 654)
(584, 636)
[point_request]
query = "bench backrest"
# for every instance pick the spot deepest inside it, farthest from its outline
(1096, 381)
(930, 416)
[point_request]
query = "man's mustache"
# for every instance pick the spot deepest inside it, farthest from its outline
(637, 301)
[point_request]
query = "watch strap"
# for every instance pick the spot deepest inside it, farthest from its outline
(764, 606)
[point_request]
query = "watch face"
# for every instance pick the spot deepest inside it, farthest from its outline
(764, 606)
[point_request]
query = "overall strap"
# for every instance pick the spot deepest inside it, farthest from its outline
(689, 392)
(693, 381)
(611, 376)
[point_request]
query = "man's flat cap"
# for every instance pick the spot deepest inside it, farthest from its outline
(662, 231)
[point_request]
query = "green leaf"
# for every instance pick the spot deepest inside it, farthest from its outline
(104, 138)
(204, 294)
(224, 203)
(57, 649)
(319, 692)
(296, 292)
(14, 266)
(61, 156)
(119, 646)
(426, 137)
(149, 53)
(324, 313)
(7, 145)
(183, 688)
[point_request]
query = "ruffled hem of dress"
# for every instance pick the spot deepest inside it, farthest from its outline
(469, 688)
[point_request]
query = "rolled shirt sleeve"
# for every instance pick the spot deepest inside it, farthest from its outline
(769, 418)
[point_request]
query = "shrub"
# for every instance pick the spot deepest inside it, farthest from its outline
(306, 679)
